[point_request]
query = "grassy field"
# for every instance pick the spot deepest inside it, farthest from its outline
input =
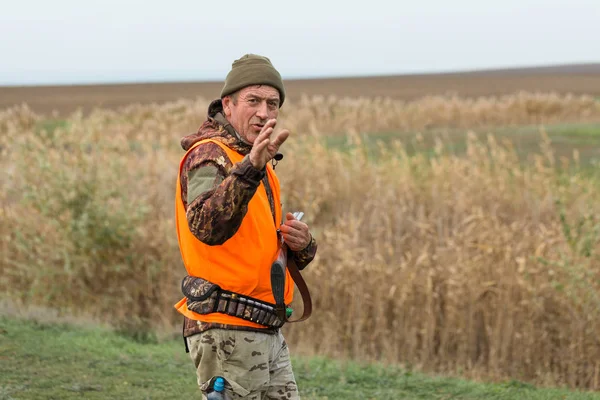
(441, 247)
(584, 138)
(566, 139)
(58, 361)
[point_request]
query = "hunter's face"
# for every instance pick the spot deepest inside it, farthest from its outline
(255, 105)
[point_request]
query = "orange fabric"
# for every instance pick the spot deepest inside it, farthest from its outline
(243, 263)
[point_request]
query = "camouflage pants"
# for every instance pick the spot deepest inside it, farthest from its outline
(254, 365)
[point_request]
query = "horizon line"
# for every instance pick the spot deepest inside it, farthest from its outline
(548, 68)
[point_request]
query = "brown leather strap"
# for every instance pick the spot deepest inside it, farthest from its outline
(278, 278)
(304, 292)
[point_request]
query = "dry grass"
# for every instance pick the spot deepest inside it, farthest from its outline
(450, 264)
(357, 115)
(477, 265)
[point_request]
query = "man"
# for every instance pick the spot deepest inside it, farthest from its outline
(228, 216)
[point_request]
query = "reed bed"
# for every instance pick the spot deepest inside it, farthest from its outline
(478, 264)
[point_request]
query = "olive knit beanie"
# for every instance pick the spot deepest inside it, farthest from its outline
(252, 69)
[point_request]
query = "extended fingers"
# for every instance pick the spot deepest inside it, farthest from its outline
(267, 129)
(260, 144)
(281, 137)
(264, 134)
(270, 123)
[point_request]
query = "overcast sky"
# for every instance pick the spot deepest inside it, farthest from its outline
(68, 41)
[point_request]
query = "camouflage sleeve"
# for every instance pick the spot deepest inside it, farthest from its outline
(305, 256)
(216, 214)
(202, 179)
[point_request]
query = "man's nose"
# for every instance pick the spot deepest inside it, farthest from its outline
(262, 110)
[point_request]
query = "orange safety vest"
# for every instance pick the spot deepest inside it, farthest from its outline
(243, 263)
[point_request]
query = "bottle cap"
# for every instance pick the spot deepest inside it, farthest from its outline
(219, 384)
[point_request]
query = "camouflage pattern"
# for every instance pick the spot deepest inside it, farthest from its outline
(254, 365)
(193, 327)
(215, 215)
(204, 297)
(197, 289)
(305, 256)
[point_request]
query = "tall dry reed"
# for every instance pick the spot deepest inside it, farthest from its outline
(471, 264)
(478, 265)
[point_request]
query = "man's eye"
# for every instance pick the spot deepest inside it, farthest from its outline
(273, 104)
(252, 101)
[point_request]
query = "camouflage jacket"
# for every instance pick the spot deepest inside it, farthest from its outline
(216, 192)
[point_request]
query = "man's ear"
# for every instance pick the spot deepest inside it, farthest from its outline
(226, 101)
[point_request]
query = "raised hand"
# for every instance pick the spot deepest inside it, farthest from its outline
(265, 147)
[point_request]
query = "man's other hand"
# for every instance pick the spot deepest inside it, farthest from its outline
(295, 233)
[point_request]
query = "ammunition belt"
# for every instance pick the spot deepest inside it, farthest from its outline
(204, 297)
